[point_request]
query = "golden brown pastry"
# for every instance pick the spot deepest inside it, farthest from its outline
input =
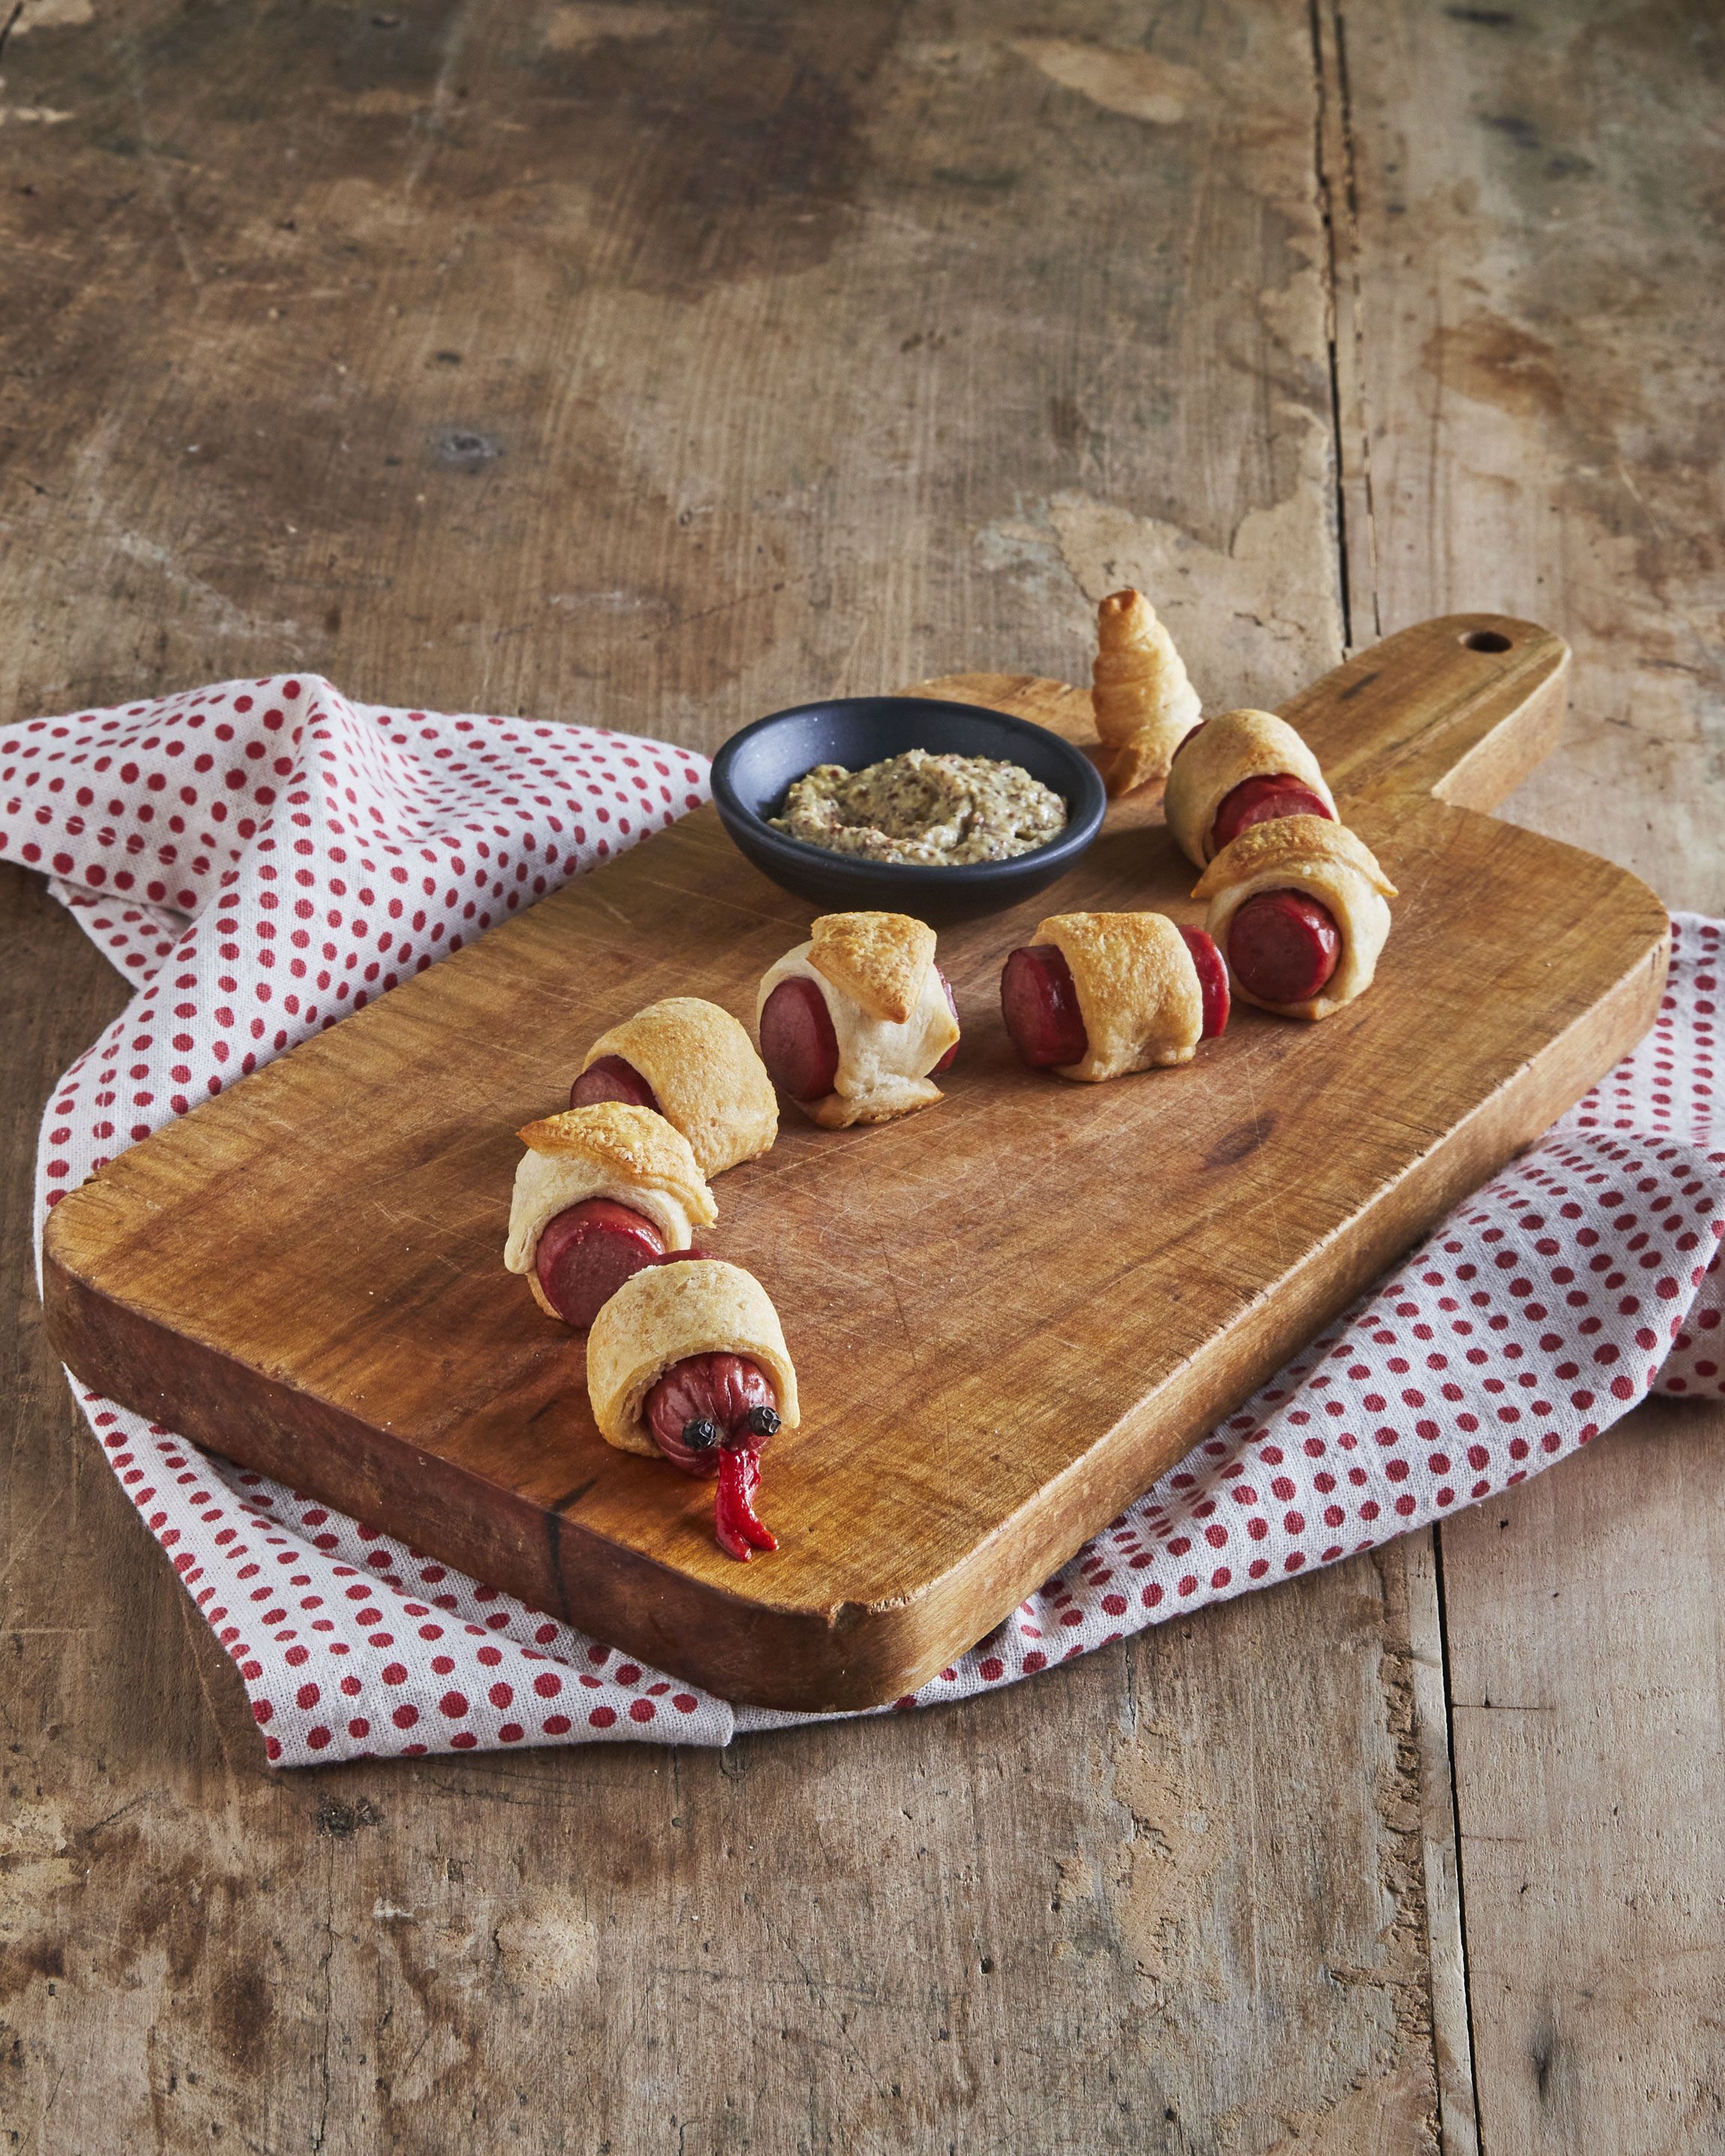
(624, 1156)
(1144, 705)
(1297, 908)
(1097, 995)
(853, 1022)
(1239, 750)
(669, 1315)
(697, 1066)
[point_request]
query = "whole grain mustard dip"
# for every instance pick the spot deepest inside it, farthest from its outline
(922, 810)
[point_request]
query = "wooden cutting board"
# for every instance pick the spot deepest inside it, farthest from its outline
(1009, 1313)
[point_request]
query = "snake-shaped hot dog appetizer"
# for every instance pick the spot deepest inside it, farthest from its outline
(688, 1361)
(1097, 995)
(1297, 906)
(601, 1192)
(854, 1022)
(696, 1065)
(1238, 769)
(1144, 705)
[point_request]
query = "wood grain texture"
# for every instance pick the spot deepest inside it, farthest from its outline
(1010, 1313)
(1530, 277)
(402, 345)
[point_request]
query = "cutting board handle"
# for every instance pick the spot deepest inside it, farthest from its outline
(1463, 707)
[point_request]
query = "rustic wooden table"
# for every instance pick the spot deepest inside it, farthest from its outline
(659, 364)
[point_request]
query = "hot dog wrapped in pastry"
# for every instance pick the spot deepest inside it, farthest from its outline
(1297, 908)
(1236, 770)
(853, 1022)
(1144, 705)
(1100, 994)
(600, 1193)
(696, 1065)
(689, 1361)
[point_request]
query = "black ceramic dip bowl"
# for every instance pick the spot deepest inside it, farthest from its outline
(755, 769)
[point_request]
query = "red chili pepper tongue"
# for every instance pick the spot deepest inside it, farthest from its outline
(740, 1533)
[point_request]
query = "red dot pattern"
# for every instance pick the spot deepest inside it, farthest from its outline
(264, 857)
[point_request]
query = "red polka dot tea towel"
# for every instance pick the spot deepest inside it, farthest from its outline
(262, 857)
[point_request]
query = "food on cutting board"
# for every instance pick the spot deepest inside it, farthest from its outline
(601, 1192)
(1097, 995)
(696, 1065)
(1144, 705)
(1298, 908)
(688, 1361)
(1235, 771)
(928, 810)
(854, 1022)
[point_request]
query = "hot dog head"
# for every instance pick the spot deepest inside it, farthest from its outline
(688, 1362)
(1238, 769)
(1097, 995)
(600, 1192)
(668, 1316)
(1298, 907)
(696, 1065)
(1143, 702)
(853, 1022)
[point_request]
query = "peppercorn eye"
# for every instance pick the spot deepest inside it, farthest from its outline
(700, 1434)
(762, 1421)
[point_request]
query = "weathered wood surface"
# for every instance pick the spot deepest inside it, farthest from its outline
(966, 1431)
(1531, 291)
(723, 354)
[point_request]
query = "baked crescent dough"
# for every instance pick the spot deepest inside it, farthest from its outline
(1144, 704)
(706, 1076)
(877, 977)
(1324, 861)
(659, 1316)
(1138, 990)
(611, 1150)
(1230, 749)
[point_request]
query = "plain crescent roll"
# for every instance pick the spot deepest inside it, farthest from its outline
(610, 1150)
(1144, 704)
(1324, 861)
(880, 960)
(1227, 751)
(702, 1306)
(706, 1076)
(1138, 989)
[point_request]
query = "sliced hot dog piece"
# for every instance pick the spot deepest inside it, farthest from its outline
(1211, 978)
(1283, 947)
(951, 1056)
(1040, 1003)
(611, 1079)
(587, 1253)
(1261, 800)
(799, 1046)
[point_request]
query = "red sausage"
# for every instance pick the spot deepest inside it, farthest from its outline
(951, 1056)
(1262, 801)
(611, 1079)
(1040, 1003)
(710, 1414)
(1283, 947)
(1212, 979)
(799, 1046)
(587, 1253)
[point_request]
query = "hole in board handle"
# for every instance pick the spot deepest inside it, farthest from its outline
(1486, 640)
